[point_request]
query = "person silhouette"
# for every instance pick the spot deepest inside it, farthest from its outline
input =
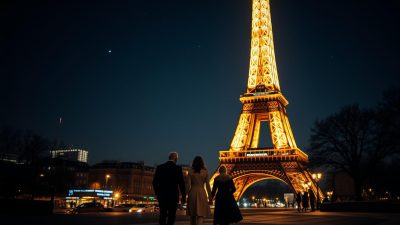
(226, 209)
(298, 201)
(167, 182)
(197, 207)
(304, 201)
(312, 200)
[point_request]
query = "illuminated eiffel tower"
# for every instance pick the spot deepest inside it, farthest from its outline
(263, 101)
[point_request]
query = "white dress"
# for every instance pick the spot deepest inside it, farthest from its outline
(197, 198)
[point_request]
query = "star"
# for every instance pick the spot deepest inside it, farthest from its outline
(109, 51)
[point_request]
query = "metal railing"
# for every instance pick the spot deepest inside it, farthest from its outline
(263, 154)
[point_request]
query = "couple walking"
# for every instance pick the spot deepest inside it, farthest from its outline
(168, 180)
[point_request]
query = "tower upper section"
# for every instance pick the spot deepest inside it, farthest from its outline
(263, 75)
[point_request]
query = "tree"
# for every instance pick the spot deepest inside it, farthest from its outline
(25, 144)
(33, 147)
(10, 140)
(342, 142)
(388, 116)
(356, 140)
(26, 147)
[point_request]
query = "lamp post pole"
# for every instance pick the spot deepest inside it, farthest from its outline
(107, 177)
(317, 177)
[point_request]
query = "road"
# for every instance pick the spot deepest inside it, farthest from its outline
(251, 217)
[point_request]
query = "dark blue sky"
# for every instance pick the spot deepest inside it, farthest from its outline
(176, 69)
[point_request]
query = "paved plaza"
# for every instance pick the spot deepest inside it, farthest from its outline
(251, 216)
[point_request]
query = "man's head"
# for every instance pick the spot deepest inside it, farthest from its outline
(222, 169)
(173, 156)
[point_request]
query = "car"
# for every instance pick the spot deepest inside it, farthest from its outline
(142, 208)
(122, 207)
(89, 207)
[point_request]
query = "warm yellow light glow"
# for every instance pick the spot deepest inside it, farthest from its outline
(263, 103)
(108, 176)
(262, 68)
(116, 195)
(316, 176)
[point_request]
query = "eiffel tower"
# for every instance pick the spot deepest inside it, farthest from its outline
(263, 101)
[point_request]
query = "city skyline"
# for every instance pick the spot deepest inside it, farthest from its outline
(133, 81)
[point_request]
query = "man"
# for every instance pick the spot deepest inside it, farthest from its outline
(167, 182)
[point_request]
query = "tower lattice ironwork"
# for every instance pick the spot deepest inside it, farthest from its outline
(263, 101)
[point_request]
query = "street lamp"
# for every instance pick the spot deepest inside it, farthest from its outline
(116, 198)
(107, 177)
(329, 194)
(317, 177)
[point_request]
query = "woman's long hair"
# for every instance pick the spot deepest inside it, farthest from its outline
(198, 164)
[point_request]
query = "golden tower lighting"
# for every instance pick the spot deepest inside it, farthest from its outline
(263, 101)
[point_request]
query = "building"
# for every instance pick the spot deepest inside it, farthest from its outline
(8, 157)
(78, 155)
(76, 197)
(131, 180)
(63, 174)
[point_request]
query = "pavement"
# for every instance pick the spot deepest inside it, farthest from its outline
(251, 217)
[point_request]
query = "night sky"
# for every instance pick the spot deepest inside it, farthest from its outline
(133, 80)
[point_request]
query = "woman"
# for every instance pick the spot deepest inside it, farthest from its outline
(226, 209)
(197, 207)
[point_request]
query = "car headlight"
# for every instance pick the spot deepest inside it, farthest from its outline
(130, 210)
(139, 210)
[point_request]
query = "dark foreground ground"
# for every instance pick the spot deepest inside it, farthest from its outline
(251, 216)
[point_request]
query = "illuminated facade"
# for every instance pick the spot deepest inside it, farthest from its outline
(263, 102)
(132, 179)
(79, 155)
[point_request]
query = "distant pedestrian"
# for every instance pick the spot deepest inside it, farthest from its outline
(312, 200)
(226, 209)
(167, 182)
(298, 201)
(304, 201)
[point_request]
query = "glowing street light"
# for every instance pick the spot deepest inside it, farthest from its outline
(107, 177)
(317, 177)
(329, 194)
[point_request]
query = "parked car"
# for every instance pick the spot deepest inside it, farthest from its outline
(122, 207)
(142, 208)
(89, 207)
